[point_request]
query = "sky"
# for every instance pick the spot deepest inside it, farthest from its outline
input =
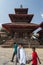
(7, 7)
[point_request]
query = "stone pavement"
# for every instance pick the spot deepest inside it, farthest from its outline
(6, 55)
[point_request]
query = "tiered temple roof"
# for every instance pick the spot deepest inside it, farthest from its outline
(20, 21)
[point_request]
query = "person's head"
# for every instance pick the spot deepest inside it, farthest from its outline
(15, 43)
(20, 45)
(33, 49)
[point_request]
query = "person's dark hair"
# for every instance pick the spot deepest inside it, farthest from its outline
(33, 47)
(14, 42)
(20, 44)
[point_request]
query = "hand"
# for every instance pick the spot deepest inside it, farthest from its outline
(40, 62)
(28, 61)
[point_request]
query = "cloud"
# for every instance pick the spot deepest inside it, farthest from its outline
(42, 15)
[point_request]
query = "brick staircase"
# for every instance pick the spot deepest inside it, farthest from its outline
(31, 43)
(8, 43)
(26, 44)
(34, 43)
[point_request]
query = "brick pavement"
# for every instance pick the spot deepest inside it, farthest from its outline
(6, 55)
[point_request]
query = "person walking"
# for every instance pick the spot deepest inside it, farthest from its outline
(35, 57)
(22, 59)
(18, 53)
(15, 51)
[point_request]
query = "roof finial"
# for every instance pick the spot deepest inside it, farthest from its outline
(21, 6)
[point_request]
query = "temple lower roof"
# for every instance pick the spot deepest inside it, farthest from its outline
(40, 32)
(20, 27)
(41, 25)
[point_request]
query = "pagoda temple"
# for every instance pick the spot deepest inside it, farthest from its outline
(21, 27)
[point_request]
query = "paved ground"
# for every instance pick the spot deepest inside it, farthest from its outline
(6, 55)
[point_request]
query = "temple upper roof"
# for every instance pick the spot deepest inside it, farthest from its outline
(21, 10)
(21, 17)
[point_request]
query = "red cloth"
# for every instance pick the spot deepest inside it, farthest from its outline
(34, 57)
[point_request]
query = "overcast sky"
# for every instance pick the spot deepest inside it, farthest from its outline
(35, 7)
